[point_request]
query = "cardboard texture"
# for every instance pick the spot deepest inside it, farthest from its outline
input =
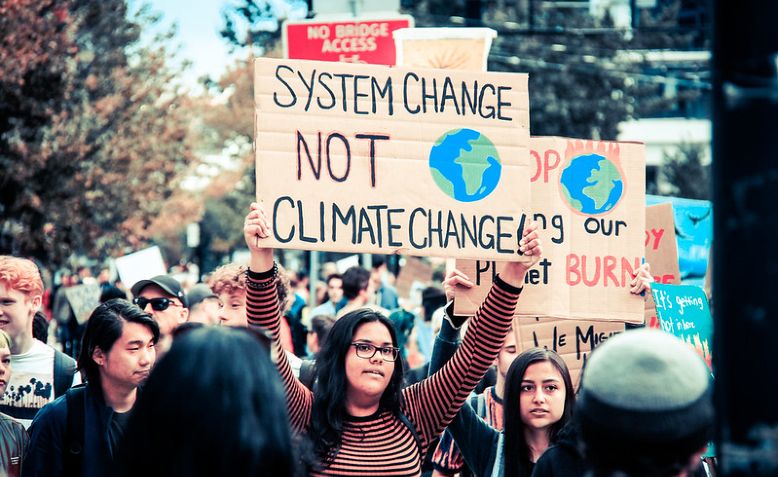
(573, 340)
(683, 311)
(444, 48)
(83, 300)
(661, 253)
(372, 159)
(588, 198)
(414, 270)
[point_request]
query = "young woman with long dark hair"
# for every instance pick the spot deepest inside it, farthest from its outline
(538, 401)
(359, 418)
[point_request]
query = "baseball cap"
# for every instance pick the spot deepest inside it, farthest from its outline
(198, 293)
(167, 283)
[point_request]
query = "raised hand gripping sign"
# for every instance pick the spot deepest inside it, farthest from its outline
(589, 200)
(359, 158)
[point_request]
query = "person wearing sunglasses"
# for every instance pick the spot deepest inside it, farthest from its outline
(163, 298)
(359, 418)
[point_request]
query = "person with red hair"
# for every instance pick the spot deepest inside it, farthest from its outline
(40, 372)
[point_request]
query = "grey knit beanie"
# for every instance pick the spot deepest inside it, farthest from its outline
(644, 394)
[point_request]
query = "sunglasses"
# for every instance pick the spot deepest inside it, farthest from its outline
(157, 304)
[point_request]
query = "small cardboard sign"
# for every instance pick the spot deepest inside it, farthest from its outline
(573, 340)
(371, 159)
(588, 198)
(83, 300)
(444, 48)
(414, 270)
(661, 252)
(683, 311)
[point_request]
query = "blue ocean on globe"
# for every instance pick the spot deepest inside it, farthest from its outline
(465, 165)
(591, 184)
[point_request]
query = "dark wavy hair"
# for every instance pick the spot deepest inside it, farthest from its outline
(213, 405)
(105, 326)
(329, 392)
(516, 452)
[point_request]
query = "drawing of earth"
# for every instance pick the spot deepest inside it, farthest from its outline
(591, 184)
(465, 165)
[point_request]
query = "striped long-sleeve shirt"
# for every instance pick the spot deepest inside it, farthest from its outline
(381, 444)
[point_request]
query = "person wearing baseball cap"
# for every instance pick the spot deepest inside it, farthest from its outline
(645, 408)
(163, 298)
(204, 305)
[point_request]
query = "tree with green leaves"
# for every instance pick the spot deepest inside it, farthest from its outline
(93, 137)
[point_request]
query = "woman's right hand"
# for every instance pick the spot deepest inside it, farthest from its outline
(256, 227)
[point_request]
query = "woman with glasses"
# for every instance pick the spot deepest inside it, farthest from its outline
(359, 419)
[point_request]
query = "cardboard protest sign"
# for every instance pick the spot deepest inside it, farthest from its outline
(573, 340)
(360, 158)
(588, 198)
(414, 270)
(694, 233)
(661, 252)
(83, 300)
(140, 265)
(444, 48)
(683, 311)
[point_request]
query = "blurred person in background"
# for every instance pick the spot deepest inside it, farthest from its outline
(204, 305)
(334, 297)
(13, 436)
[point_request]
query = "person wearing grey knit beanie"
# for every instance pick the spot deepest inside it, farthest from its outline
(645, 408)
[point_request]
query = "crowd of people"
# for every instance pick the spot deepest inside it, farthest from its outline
(244, 375)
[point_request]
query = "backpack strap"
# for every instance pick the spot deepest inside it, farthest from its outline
(407, 422)
(64, 369)
(74, 433)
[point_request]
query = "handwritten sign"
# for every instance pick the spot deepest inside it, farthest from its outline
(573, 340)
(683, 311)
(694, 232)
(359, 158)
(661, 252)
(83, 300)
(588, 199)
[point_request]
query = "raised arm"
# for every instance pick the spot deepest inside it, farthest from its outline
(263, 309)
(434, 402)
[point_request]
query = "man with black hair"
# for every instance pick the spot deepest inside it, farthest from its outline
(78, 434)
(358, 290)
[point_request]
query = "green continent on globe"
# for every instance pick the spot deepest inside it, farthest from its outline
(445, 185)
(474, 163)
(603, 181)
(591, 184)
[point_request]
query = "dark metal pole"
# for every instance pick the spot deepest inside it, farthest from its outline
(745, 283)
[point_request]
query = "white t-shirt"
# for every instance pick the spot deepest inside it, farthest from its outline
(32, 382)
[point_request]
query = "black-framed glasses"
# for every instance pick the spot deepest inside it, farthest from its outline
(157, 304)
(367, 351)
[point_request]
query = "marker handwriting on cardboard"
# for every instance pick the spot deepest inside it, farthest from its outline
(366, 94)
